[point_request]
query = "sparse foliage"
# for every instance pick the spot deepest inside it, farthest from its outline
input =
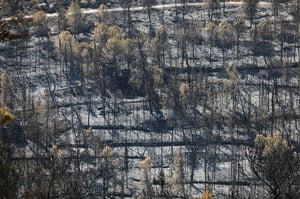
(68, 46)
(108, 167)
(74, 18)
(206, 195)
(40, 22)
(177, 180)
(100, 34)
(6, 117)
(225, 39)
(104, 15)
(146, 166)
(276, 163)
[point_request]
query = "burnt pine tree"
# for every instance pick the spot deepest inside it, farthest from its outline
(275, 163)
(250, 9)
(148, 4)
(74, 18)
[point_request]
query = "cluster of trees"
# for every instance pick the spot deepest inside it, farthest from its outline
(62, 173)
(171, 67)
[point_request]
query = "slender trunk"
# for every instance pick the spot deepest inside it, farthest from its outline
(210, 49)
(176, 9)
(149, 16)
(223, 52)
(224, 7)
(129, 21)
(237, 45)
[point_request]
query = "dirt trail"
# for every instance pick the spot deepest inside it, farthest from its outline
(138, 8)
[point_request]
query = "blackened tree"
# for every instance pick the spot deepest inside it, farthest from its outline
(250, 9)
(275, 163)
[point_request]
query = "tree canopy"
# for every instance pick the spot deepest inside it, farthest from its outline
(276, 163)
